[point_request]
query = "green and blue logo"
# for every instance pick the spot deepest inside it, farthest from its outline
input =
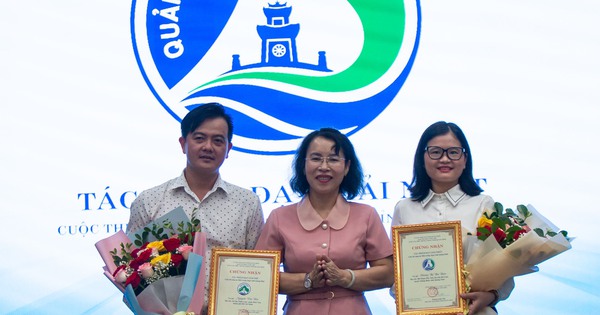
(282, 69)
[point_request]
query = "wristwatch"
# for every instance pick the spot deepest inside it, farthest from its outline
(307, 282)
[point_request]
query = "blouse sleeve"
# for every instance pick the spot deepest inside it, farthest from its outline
(396, 220)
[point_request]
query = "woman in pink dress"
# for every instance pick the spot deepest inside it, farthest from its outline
(327, 241)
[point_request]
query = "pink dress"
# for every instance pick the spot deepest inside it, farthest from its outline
(351, 235)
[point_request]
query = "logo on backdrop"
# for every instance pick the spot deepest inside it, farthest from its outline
(282, 69)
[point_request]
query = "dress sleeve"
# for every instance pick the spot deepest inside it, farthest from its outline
(378, 244)
(270, 238)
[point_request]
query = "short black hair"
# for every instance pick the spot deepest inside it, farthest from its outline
(352, 184)
(202, 112)
(421, 182)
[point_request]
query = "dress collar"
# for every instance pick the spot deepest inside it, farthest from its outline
(310, 219)
(454, 195)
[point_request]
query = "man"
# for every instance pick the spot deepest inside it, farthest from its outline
(230, 216)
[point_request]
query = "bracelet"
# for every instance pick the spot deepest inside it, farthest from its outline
(496, 297)
(351, 280)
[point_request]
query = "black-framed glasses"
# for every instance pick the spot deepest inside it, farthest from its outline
(436, 153)
(329, 160)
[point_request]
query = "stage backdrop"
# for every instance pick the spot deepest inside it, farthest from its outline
(92, 93)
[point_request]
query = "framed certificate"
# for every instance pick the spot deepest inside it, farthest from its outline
(243, 282)
(428, 266)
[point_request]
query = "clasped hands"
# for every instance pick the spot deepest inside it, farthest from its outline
(326, 273)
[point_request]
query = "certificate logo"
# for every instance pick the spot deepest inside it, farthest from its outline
(243, 288)
(428, 264)
(282, 68)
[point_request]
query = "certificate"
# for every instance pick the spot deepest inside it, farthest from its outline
(243, 282)
(428, 266)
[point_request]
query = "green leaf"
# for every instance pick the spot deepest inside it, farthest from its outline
(513, 229)
(539, 232)
(510, 212)
(499, 208)
(524, 211)
(483, 231)
(500, 222)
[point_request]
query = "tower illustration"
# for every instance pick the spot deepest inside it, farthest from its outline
(278, 42)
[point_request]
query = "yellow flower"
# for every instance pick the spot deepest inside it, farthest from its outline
(164, 258)
(484, 222)
(156, 244)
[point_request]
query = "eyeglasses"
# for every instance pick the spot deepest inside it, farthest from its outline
(453, 153)
(329, 160)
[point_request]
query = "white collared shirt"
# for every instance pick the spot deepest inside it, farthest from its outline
(453, 205)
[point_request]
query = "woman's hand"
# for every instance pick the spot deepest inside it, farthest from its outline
(316, 275)
(293, 283)
(478, 300)
(333, 275)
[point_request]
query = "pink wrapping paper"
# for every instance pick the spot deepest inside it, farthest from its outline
(162, 296)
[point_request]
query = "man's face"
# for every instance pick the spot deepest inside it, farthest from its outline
(207, 147)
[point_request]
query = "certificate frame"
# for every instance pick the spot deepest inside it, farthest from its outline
(243, 281)
(420, 290)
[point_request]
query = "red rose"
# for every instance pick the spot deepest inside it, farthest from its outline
(171, 244)
(142, 257)
(134, 280)
(118, 269)
(134, 253)
(137, 251)
(499, 235)
(176, 259)
(519, 233)
(189, 239)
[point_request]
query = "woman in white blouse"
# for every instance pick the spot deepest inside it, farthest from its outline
(443, 189)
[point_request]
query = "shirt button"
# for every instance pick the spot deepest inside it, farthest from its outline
(324, 226)
(324, 245)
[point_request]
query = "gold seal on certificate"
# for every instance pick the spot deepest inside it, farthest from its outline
(428, 268)
(243, 282)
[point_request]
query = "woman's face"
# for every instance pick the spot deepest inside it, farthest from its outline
(324, 169)
(444, 173)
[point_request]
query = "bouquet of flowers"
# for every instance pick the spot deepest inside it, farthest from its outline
(160, 269)
(510, 244)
